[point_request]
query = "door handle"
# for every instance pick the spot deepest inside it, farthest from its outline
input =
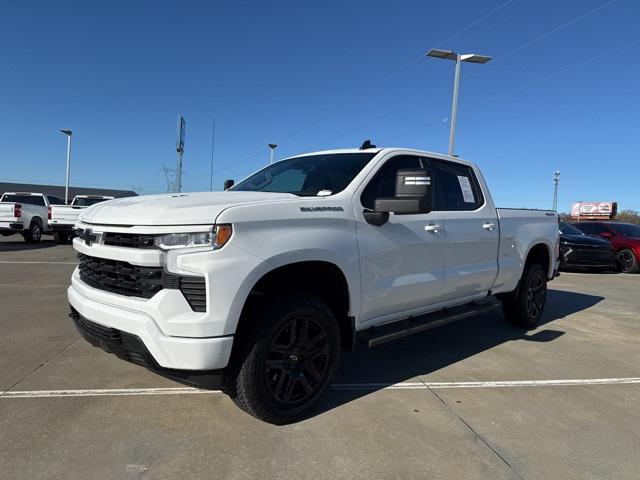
(432, 228)
(488, 226)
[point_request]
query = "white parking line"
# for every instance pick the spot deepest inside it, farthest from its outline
(52, 263)
(337, 386)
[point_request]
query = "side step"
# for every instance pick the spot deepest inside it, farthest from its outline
(380, 334)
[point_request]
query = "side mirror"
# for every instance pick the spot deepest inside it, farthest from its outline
(228, 184)
(413, 193)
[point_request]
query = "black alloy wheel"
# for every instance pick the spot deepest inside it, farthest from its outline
(626, 261)
(536, 293)
(297, 361)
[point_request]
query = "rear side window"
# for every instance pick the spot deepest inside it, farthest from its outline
(585, 227)
(383, 183)
(455, 187)
(25, 199)
(597, 229)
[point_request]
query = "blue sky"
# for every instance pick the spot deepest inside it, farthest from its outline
(561, 93)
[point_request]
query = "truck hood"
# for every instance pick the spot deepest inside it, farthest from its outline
(174, 208)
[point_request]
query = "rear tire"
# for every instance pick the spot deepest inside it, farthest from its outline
(287, 360)
(524, 306)
(627, 261)
(34, 234)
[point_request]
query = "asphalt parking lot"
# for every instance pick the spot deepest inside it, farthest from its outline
(476, 399)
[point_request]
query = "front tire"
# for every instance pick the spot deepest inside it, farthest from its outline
(288, 361)
(627, 261)
(524, 306)
(34, 234)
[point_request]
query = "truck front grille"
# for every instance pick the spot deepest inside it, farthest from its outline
(120, 277)
(123, 278)
(131, 240)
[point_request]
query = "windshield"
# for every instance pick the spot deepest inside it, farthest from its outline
(567, 229)
(627, 229)
(87, 202)
(308, 176)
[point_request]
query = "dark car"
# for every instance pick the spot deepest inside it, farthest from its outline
(625, 238)
(580, 250)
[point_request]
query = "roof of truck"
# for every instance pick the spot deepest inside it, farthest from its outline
(377, 150)
(58, 191)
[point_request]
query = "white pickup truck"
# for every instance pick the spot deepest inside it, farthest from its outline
(26, 213)
(64, 217)
(256, 289)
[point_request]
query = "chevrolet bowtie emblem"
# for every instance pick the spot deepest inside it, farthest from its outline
(89, 237)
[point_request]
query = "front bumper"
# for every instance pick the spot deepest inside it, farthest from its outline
(169, 352)
(131, 348)
(577, 256)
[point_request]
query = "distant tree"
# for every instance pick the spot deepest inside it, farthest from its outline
(564, 217)
(628, 216)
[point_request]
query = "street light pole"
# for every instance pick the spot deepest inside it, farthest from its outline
(467, 57)
(556, 180)
(272, 147)
(68, 133)
(454, 105)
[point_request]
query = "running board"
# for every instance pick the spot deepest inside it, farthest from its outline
(374, 336)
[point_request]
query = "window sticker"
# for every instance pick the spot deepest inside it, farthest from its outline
(467, 192)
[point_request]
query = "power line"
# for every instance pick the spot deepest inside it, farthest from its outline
(382, 79)
(545, 35)
(567, 69)
(481, 19)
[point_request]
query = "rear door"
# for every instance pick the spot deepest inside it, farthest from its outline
(472, 233)
(403, 261)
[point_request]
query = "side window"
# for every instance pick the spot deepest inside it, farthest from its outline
(455, 186)
(585, 227)
(597, 229)
(38, 200)
(54, 200)
(383, 183)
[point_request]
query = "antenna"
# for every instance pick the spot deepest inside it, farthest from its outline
(366, 145)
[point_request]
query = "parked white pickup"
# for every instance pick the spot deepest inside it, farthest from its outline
(259, 286)
(26, 213)
(64, 217)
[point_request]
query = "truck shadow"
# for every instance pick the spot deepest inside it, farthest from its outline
(365, 371)
(19, 245)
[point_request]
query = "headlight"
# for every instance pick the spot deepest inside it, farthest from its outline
(215, 239)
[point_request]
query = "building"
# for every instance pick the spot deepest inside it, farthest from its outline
(58, 191)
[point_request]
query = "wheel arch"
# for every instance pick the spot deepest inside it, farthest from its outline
(322, 278)
(540, 253)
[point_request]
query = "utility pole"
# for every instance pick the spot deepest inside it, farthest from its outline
(556, 180)
(213, 144)
(180, 152)
(170, 177)
(467, 57)
(272, 147)
(68, 133)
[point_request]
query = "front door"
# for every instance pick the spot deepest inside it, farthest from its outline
(403, 261)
